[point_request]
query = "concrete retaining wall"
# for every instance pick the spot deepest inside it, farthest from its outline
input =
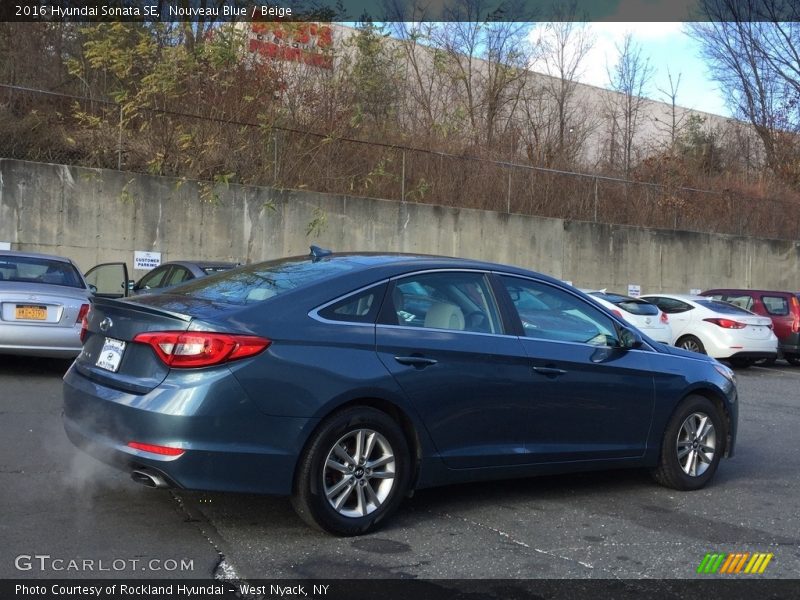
(95, 215)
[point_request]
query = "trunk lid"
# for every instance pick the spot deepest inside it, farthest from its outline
(41, 304)
(109, 355)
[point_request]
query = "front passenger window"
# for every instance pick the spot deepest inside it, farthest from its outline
(550, 313)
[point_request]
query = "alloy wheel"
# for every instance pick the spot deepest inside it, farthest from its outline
(697, 444)
(691, 345)
(359, 473)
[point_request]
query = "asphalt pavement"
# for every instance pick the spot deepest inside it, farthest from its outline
(63, 505)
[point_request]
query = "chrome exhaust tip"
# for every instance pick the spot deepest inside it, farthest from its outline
(148, 479)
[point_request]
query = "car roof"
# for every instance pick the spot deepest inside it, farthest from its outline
(203, 264)
(690, 297)
(371, 260)
(21, 254)
(745, 291)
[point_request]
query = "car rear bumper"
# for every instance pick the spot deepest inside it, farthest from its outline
(790, 344)
(725, 346)
(753, 355)
(228, 444)
(40, 340)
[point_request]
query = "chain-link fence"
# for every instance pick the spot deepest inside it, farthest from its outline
(49, 127)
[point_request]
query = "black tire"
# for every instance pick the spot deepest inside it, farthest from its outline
(691, 343)
(766, 362)
(793, 359)
(671, 471)
(363, 505)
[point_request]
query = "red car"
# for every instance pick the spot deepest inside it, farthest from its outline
(782, 307)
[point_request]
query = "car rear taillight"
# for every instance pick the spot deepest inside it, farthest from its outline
(726, 323)
(82, 313)
(796, 312)
(618, 313)
(153, 449)
(186, 349)
(664, 318)
(83, 319)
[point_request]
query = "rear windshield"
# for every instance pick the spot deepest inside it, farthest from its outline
(723, 307)
(261, 281)
(632, 305)
(25, 269)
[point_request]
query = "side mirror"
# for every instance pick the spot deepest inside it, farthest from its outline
(131, 285)
(629, 339)
(93, 288)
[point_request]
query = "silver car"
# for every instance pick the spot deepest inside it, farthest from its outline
(43, 300)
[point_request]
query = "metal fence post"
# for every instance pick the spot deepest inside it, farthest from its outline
(274, 158)
(119, 141)
(595, 199)
(403, 178)
(508, 195)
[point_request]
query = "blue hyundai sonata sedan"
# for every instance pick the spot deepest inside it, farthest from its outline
(347, 381)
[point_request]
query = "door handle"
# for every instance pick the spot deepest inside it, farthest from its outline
(419, 362)
(549, 371)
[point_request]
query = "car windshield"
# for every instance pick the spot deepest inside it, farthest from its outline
(723, 307)
(261, 281)
(30, 269)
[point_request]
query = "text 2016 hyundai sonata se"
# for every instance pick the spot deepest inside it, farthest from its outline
(345, 381)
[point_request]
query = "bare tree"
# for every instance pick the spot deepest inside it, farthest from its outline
(557, 125)
(483, 59)
(753, 50)
(677, 116)
(629, 77)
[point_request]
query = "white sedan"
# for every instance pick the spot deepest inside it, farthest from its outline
(717, 328)
(643, 315)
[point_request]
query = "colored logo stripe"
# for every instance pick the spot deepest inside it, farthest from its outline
(733, 563)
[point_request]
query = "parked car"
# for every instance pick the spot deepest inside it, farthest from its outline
(346, 381)
(717, 328)
(111, 279)
(783, 308)
(645, 316)
(43, 299)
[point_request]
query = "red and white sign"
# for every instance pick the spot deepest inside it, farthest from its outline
(308, 43)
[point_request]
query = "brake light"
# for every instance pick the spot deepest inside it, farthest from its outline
(796, 311)
(83, 319)
(664, 318)
(153, 449)
(726, 323)
(82, 313)
(186, 349)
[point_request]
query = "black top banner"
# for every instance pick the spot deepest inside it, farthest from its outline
(390, 10)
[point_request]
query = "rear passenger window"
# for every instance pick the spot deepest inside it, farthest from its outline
(459, 301)
(361, 307)
(670, 305)
(744, 301)
(776, 305)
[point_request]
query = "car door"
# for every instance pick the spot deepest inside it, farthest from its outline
(589, 398)
(441, 336)
(108, 280)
